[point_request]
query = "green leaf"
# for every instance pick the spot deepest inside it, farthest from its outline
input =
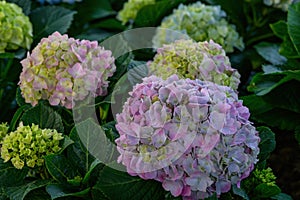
(93, 141)
(67, 142)
(38, 194)
(293, 23)
(93, 166)
(111, 131)
(137, 71)
(3, 195)
(267, 142)
(19, 192)
(59, 190)
(44, 116)
(60, 168)
(24, 4)
(280, 29)
(240, 192)
(19, 98)
(48, 19)
(9, 175)
(270, 52)
(282, 196)
(14, 121)
(151, 15)
(125, 186)
(266, 191)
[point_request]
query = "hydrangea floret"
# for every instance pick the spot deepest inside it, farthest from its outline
(200, 22)
(193, 136)
(281, 4)
(3, 130)
(15, 28)
(64, 70)
(58, 1)
(131, 8)
(206, 61)
(29, 144)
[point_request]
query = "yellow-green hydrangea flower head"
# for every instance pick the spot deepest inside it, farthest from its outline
(265, 176)
(131, 8)
(205, 61)
(15, 28)
(64, 70)
(201, 23)
(29, 144)
(281, 4)
(3, 130)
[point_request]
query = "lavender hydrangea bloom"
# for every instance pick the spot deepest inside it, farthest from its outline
(64, 70)
(200, 22)
(191, 135)
(195, 60)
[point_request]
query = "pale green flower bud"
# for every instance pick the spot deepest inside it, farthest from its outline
(131, 8)
(15, 28)
(28, 145)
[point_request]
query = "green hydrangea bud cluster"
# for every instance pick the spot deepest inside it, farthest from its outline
(3, 130)
(205, 61)
(131, 8)
(29, 144)
(265, 176)
(200, 22)
(15, 28)
(281, 4)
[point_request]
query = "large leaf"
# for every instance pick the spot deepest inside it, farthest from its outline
(44, 116)
(60, 190)
(270, 52)
(151, 15)
(9, 175)
(120, 185)
(59, 168)
(240, 192)
(91, 139)
(48, 19)
(280, 29)
(293, 23)
(267, 142)
(19, 192)
(282, 196)
(264, 190)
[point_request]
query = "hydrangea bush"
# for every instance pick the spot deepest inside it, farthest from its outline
(131, 8)
(28, 145)
(281, 4)
(64, 70)
(200, 22)
(15, 28)
(195, 60)
(192, 136)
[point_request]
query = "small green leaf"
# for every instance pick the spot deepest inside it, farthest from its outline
(67, 142)
(270, 52)
(240, 192)
(59, 190)
(282, 196)
(19, 192)
(151, 15)
(9, 175)
(48, 19)
(44, 116)
(267, 142)
(59, 168)
(264, 190)
(127, 187)
(293, 23)
(280, 29)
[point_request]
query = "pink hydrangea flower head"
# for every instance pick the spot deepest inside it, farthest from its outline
(193, 136)
(64, 70)
(206, 61)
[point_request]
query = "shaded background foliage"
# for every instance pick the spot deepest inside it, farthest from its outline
(270, 75)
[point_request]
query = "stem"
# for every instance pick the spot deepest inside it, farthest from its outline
(255, 39)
